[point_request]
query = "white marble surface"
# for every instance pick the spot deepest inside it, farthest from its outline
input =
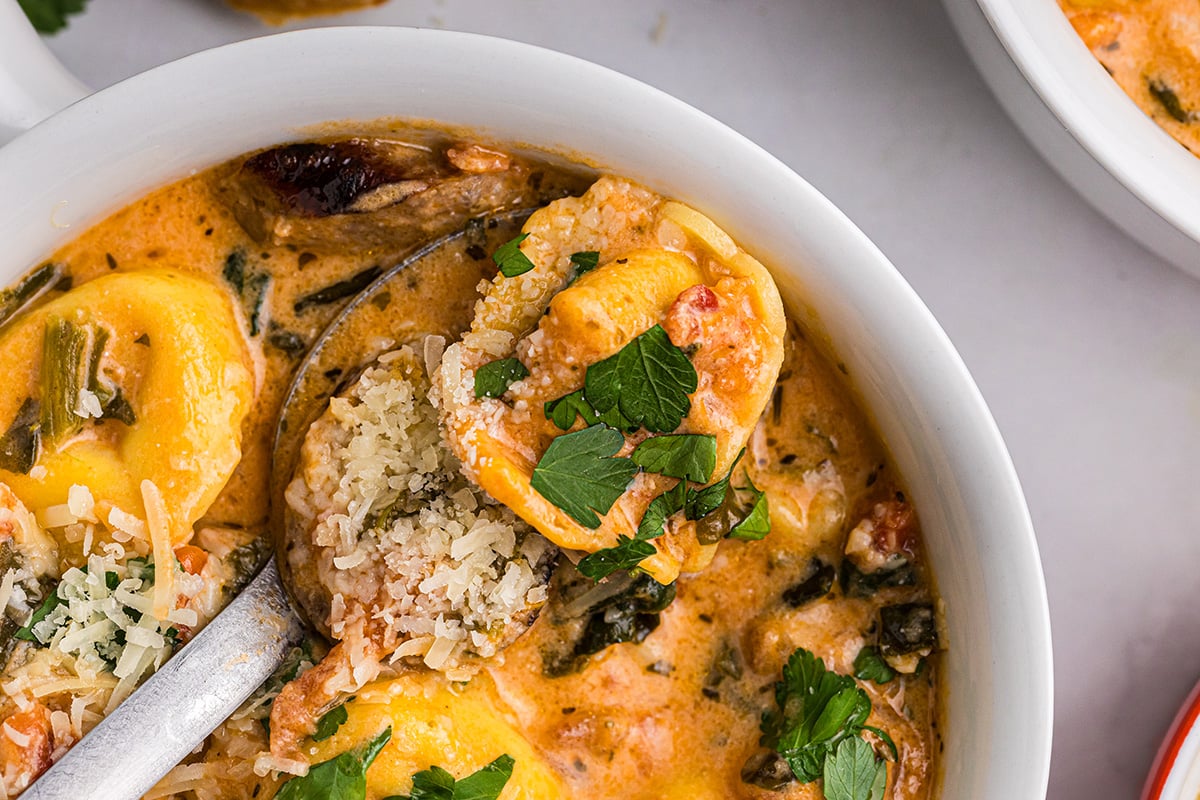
(1086, 346)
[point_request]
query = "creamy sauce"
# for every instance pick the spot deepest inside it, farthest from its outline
(675, 715)
(1152, 50)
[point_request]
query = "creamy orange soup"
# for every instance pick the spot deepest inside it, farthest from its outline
(1152, 49)
(176, 326)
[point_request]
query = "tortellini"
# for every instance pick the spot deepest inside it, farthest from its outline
(659, 263)
(176, 352)
(434, 726)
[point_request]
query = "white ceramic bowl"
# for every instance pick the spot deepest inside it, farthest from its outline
(108, 149)
(1084, 125)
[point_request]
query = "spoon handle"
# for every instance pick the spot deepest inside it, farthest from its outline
(171, 713)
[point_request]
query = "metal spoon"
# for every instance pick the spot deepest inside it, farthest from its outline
(176, 708)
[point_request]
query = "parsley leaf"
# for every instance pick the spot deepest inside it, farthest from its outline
(52, 601)
(702, 502)
(870, 666)
(656, 379)
(509, 258)
(578, 473)
(486, 783)
(585, 261)
(49, 16)
(341, 778)
(493, 378)
(328, 724)
(627, 553)
(563, 411)
(757, 522)
(852, 772)
(602, 383)
(688, 456)
(816, 711)
(645, 384)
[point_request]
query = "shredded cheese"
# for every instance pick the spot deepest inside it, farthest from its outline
(164, 556)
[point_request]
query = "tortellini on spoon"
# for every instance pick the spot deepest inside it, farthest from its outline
(599, 276)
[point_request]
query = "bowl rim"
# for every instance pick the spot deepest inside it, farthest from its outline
(1183, 727)
(933, 388)
(1095, 111)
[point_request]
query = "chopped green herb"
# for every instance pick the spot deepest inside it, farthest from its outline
(494, 377)
(870, 666)
(50, 16)
(563, 411)
(341, 778)
(20, 443)
(509, 258)
(485, 783)
(27, 289)
(1169, 100)
(338, 291)
(584, 262)
(234, 271)
(628, 552)
(704, 501)
(852, 772)
(287, 342)
(52, 601)
(656, 380)
(757, 522)
(65, 348)
(815, 711)
(329, 723)
(688, 456)
(579, 474)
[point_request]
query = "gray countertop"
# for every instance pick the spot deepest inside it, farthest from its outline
(1086, 346)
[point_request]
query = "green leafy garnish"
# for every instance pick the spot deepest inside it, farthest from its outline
(20, 443)
(563, 411)
(494, 377)
(329, 723)
(27, 289)
(341, 778)
(628, 552)
(49, 16)
(643, 385)
(584, 262)
(509, 258)
(656, 379)
(816, 711)
(852, 772)
(52, 601)
(65, 355)
(704, 501)
(688, 456)
(485, 783)
(757, 522)
(1169, 100)
(870, 666)
(578, 473)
